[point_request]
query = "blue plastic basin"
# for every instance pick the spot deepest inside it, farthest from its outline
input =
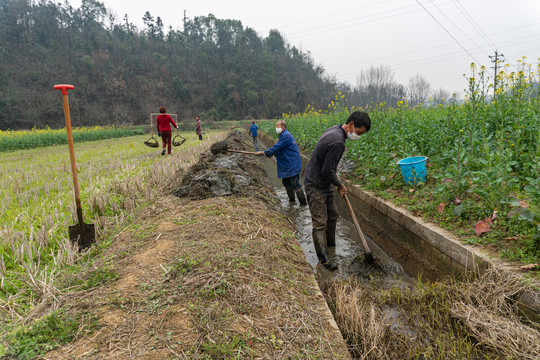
(413, 169)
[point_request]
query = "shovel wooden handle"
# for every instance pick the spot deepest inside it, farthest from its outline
(357, 226)
(64, 88)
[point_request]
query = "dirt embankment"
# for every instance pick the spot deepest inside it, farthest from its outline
(214, 278)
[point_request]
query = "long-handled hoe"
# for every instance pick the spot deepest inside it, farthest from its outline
(368, 256)
(83, 234)
(222, 147)
(242, 152)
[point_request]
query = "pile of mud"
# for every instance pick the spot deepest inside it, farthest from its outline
(221, 173)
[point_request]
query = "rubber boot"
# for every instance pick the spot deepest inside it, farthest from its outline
(290, 193)
(331, 236)
(319, 240)
(301, 197)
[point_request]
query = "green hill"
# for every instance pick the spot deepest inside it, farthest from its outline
(212, 67)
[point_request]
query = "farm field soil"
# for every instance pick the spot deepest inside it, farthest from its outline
(207, 277)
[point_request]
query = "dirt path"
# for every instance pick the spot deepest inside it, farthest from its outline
(217, 278)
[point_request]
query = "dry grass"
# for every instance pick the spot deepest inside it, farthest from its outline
(36, 267)
(488, 308)
(476, 318)
(218, 278)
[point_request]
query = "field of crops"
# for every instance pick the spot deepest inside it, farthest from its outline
(484, 158)
(26, 139)
(116, 176)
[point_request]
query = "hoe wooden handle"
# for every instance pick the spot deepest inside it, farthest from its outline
(357, 226)
(242, 152)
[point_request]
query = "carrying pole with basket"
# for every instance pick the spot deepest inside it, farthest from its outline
(178, 140)
(152, 142)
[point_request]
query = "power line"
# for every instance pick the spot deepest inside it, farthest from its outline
(423, 61)
(475, 25)
(457, 27)
(446, 31)
(426, 60)
(356, 21)
(393, 56)
(533, 50)
(512, 41)
(334, 14)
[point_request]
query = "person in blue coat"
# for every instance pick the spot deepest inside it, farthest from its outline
(253, 131)
(289, 164)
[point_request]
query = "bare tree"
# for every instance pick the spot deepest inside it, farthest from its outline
(377, 85)
(439, 96)
(418, 90)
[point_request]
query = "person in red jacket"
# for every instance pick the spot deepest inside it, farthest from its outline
(163, 122)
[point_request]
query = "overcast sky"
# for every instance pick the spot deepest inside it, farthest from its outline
(436, 38)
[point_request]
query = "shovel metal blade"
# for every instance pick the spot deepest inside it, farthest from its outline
(83, 234)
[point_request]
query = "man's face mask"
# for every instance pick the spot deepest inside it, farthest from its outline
(278, 130)
(352, 135)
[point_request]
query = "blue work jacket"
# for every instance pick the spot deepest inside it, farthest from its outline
(253, 130)
(287, 155)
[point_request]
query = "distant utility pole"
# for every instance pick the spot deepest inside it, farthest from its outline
(495, 59)
(185, 19)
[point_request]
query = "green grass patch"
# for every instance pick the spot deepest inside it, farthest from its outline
(57, 328)
(231, 347)
(100, 276)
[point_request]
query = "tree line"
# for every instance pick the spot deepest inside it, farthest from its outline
(211, 67)
(377, 85)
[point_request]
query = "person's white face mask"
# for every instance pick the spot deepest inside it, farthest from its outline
(279, 130)
(352, 135)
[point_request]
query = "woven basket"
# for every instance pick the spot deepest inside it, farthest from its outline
(178, 140)
(152, 142)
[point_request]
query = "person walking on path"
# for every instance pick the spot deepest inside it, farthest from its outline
(321, 174)
(289, 164)
(163, 124)
(198, 128)
(253, 131)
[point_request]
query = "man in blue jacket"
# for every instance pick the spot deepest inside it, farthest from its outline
(289, 164)
(253, 131)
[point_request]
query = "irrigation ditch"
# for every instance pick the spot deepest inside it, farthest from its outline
(423, 274)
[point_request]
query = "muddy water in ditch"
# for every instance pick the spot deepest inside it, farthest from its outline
(348, 252)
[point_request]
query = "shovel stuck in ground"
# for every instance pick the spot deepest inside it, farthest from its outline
(368, 256)
(83, 234)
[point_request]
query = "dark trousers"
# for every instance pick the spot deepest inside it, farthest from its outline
(256, 143)
(293, 182)
(200, 137)
(324, 213)
(166, 136)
